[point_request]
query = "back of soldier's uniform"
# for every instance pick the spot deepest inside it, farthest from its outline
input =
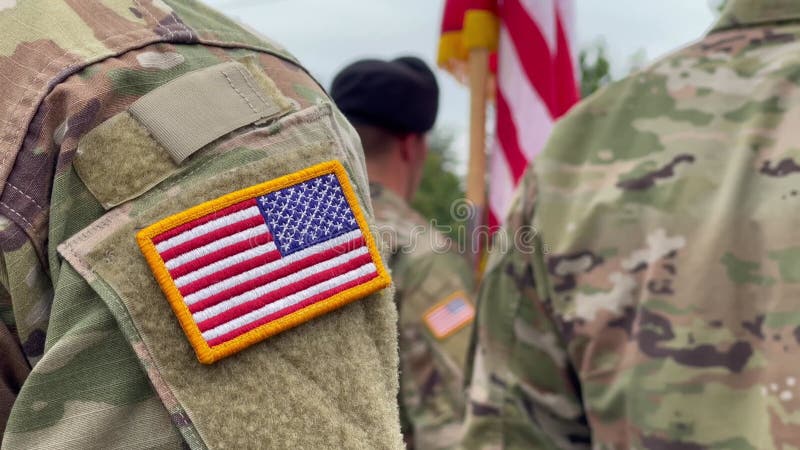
(434, 293)
(657, 306)
(123, 124)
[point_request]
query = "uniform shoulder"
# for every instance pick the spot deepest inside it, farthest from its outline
(624, 120)
(413, 239)
(394, 213)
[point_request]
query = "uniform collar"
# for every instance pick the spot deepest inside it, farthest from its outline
(379, 192)
(747, 13)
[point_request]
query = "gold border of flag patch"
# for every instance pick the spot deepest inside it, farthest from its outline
(207, 354)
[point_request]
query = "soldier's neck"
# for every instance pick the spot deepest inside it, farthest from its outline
(392, 175)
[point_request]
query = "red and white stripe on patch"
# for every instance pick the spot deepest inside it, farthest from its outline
(449, 315)
(253, 263)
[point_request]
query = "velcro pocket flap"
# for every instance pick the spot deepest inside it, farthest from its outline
(327, 383)
(152, 139)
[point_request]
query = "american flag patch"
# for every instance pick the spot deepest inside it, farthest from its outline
(259, 261)
(449, 315)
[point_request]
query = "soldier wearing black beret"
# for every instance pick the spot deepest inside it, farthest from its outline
(393, 105)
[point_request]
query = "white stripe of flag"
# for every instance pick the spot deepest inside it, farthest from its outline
(233, 277)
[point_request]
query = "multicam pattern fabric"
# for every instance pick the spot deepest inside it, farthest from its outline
(650, 298)
(80, 378)
(431, 369)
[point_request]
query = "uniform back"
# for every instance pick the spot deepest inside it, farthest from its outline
(665, 277)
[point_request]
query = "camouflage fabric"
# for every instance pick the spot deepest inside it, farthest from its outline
(79, 375)
(644, 293)
(431, 370)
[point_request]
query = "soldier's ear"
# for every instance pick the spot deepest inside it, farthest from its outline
(420, 146)
(413, 146)
(408, 147)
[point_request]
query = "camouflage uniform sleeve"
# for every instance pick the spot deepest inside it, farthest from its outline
(86, 386)
(14, 368)
(95, 382)
(524, 391)
(431, 375)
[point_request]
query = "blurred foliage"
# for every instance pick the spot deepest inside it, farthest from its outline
(440, 186)
(595, 68)
(637, 61)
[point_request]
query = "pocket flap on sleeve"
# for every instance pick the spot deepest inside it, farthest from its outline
(324, 384)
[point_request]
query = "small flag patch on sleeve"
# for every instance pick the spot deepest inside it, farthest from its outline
(449, 315)
(246, 266)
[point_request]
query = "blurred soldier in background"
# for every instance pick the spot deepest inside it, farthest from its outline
(113, 116)
(393, 104)
(657, 305)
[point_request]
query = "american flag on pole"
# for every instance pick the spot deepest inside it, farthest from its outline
(255, 262)
(535, 79)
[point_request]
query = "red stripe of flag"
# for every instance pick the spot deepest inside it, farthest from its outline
(278, 273)
(549, 72)
(494, 222)
(277, 294)
(212, 236)
(509, 141)
(230, 271)
(219, 255)
(203, 220)
(534, 53)
(566, 89)
(277, 315)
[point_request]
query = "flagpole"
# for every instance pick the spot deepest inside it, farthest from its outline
(478, 69)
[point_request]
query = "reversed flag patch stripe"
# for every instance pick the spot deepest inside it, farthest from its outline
(258, 261)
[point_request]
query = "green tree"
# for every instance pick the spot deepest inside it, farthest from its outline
(440, 186)
(595, 68)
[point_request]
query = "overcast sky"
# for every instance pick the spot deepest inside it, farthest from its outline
(326, 35)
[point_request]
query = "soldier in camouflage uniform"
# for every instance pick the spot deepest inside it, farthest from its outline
(393, 104)
(90, 353)
(647, 296)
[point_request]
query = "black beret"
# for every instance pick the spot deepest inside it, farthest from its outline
(399, 95)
